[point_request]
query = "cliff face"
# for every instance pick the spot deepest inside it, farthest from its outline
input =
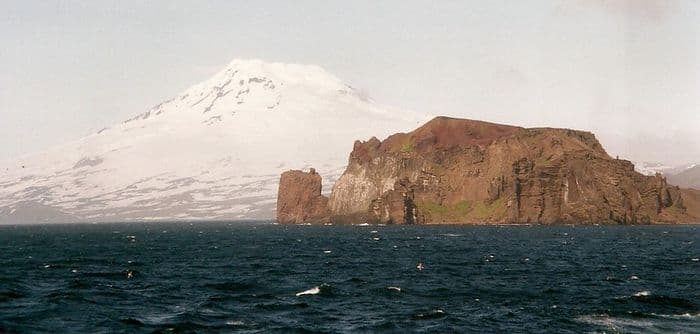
(691, 201)
(299, 198)
(464, 171)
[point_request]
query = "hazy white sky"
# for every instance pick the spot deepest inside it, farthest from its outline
(628, 70)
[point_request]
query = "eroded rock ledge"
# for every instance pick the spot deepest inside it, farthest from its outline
(463, 171)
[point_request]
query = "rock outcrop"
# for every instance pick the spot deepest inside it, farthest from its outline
(691, 201)
(299, 198)
(464, 171)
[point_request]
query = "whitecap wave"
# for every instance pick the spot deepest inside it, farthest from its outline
(614, 324)
(656, 323)
(432, 314)
(642, 293)
(684, 316)
(313, 291)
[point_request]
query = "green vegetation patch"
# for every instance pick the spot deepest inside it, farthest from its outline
(464, 211)
(407, 148)
(484, 210)
(674, 210)
(402, 144)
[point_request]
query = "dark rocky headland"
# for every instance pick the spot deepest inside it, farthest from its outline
(471, 172)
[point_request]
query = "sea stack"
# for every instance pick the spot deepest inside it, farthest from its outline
(299, 198)
(472, 172)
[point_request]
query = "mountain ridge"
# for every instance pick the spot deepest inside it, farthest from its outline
(688, 178)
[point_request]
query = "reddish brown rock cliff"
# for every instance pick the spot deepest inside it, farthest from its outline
(691, 201)
(299, 198)
(464, 171)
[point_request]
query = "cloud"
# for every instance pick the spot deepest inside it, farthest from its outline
(655, 10)
(206, 70)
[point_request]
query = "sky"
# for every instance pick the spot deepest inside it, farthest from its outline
(627, 70)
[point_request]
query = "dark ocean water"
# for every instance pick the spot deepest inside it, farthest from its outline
(244, 277)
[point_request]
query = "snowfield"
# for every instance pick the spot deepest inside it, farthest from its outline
(214, 151)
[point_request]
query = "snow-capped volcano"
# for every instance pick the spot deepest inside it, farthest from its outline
(214, 151)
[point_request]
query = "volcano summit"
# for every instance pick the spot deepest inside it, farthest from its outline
(212, 152)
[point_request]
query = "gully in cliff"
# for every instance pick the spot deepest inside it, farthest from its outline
(471, 172)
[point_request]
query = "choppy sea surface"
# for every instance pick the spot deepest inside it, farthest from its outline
(254, 277)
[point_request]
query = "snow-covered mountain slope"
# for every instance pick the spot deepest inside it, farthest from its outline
(213, 152)
(688, 178)
(651, 168)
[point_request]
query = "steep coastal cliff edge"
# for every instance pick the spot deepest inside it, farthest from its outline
(472, 172)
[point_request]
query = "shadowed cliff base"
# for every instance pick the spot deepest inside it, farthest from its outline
(472, 172)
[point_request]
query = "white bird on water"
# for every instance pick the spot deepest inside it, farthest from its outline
(420, 266)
